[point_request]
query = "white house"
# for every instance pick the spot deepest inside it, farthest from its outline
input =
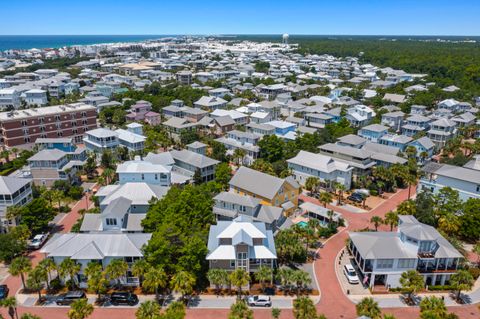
(36, 97)
(13, 191)
(145, 172)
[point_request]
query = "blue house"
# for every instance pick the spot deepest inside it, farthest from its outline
(424, 146)
(334, 113)
(282, 128)
(399, 141)
(373, 132)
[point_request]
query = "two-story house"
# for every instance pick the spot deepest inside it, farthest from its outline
(242, 140)
(360, 115)
(393, 120)
(414, 124)
(325, 168)
(14, 191)
(441, 131)
(382, 257)
(241, 244)
(373, 132)
(271, 190)
(145, 172)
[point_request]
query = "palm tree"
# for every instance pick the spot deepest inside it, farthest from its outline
(462, 280)
(58, 196)
(432, 307)
(239, 278)
(49, 265)
(341, 188)
(183, 282)
(14, 212)
(303, 308)
(36, 279)
(116, 269)
(69, 268)
(263, 274)
(325, 198)
(80, 309)
(301, 278)
(285, 275)
(140, 268)
(411, 282)
(312, 183)
(369, 308)
(410, 179)
(217, 277)
(240, 310)
(148, 310)
(19, 267)
(376, 221)
(11, 304)
(391, 218)
(29, 316)
(96, 278)
(5, 154)
(276, 313)
(155, 278)
(238, 155)
(330, 214)
(108, 174)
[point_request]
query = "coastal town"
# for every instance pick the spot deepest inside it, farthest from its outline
(210, 177)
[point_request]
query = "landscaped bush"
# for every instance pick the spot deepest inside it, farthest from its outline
(475, 272)
(440, 287)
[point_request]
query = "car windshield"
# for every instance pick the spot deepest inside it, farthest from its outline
(351, 273)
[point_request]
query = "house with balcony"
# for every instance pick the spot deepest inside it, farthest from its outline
(394, 140)
(260, 129)
(242, 140)
(101, 139)
(325, 168)
(238, 117)
(229, 206)
(441, 131)
(241, 244)
(14, 191)
(425, 148)
(360, 115)
(138, 111)
(318, 120)
(393, 120)
(284, 129)
(373, 132)
(415, 124)
(210, 103)
(36, 97)
(102, 248)
(382, 257)
(271, 190)
(465, 180)
(144, 172)
(50, 165)
(10, 99)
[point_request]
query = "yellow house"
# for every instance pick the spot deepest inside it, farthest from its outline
(271, 190)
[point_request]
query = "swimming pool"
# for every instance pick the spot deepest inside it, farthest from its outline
(302, 224)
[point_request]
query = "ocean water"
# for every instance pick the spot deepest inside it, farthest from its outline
(9, 42)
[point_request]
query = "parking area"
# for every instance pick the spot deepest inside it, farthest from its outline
(348, 288)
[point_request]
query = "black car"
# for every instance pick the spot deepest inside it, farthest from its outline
(69, 297)
(123, 298)
(4, 291)
(356, 197)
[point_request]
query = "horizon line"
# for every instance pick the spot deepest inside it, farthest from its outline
(249, 34)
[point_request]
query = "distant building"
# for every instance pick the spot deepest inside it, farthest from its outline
(13, 191)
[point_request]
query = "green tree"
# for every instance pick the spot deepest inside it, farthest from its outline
(37, 214)
(107, 160)
(96, 280)
(411, 281)
(461, 280)
(29, 316)
(197, 177)
(312, 183)
(223, 174)
(155, 278)
(148, 310)
(391, 219)
(276, 313)
(19, 267)
(11, 304)
(239, 154)
(325, 198)
(176, 310)
(11, 245)
(271, 148)
(36, 279)
(68, 268)
(240, 310)
(116, 269)
(48, 265)
(369, 308)
(80, 309)
(470, 220)
(376, 221)
(303, 308)
(183, 282)
(140, 268)
(263, 166)
(264, 274)
(301, 278)
(432, 308)
(239, 278)
(218, 151)
(217, 277)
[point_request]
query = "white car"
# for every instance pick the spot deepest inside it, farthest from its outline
(259, 301)
(37, 241)
(351, 274)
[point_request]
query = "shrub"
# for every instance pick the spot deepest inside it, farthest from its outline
(475, 272)
(56, 284)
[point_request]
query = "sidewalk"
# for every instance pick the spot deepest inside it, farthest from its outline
(395, 300)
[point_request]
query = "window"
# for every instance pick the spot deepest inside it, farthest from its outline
(111, 221)
(24, 122)
(478, 188)
(143, 176)
(156, 176)
(406, 263)
(385, 263)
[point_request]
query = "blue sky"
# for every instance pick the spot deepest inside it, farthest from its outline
(363, 17)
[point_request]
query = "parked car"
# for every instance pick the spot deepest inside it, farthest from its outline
(4, 291)
(38, 241)
(259, 301)
(351, 274)
(356, 197)
(69, 297)
(123, 298)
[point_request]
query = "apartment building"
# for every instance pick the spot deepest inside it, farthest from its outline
(23, 127)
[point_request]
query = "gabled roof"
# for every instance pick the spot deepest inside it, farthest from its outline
(319, 162)
(9, 185)
(137, 193)
(256, 182)
(48, 155)
(192, 158)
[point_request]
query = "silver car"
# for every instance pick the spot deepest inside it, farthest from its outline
(351, 274)
(259, 301)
